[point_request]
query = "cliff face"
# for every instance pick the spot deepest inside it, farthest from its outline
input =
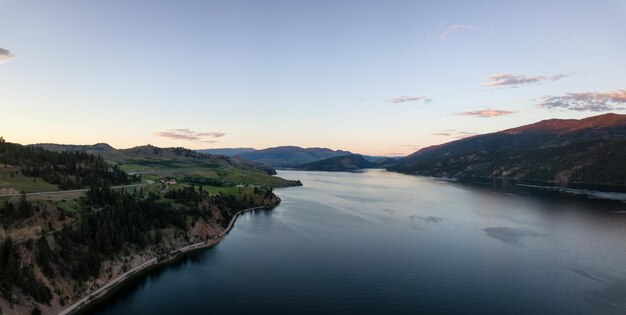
(586, 151)
(41, 243)
(271, 200)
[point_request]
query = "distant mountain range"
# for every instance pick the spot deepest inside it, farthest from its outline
(349, 162)
(227, 151)
(562, 151)
(585, 151)
(287, 156)
(284, 156)
(338, 163)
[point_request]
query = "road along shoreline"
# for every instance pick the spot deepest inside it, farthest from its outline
(104, 291)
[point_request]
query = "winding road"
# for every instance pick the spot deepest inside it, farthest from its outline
(45, 193)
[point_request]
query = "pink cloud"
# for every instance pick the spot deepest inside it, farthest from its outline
(487, 113)
(586, 101)
(189, 135)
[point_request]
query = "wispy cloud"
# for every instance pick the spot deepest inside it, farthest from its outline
(454, 133)
(442, 133)
(586, 101)
(458, 27)
(515, 80)
(5, 55)
(487, 113)
(189, 135)
(403, 99)
(215, 134)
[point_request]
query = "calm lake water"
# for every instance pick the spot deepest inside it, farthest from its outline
(385, 243)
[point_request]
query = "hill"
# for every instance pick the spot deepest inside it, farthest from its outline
(288, 156)
(227, 151)
(291, 156)
(53, 258)
(98, 147)
(562, 151)
(154, 162)
(27, 168)
(83, 221)
(339, 163)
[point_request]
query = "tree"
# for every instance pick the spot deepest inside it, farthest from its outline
(25, 210)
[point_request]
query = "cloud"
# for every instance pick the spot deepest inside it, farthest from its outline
(5, 55)
(403, 99)
(454, 133)
(559, 76)
(215, 134)
(189, 135)
(445, 134)
(586, 101)
(487, 113)
(514, 80)
(458, 27)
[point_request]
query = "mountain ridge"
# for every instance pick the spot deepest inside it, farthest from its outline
(287, 156)
(349, 162)
(581, 151)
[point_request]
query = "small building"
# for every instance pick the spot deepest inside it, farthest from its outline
(168, 181)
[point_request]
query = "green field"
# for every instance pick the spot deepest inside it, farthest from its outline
(154, 169)
(19, 182)
(217, 175)
(70, 205)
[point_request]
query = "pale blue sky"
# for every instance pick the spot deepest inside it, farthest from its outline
(308, 73)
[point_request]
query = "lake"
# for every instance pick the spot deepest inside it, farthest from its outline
(375, 242)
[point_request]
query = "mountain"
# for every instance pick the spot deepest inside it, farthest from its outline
(339, 163)
(227, 151)
(562, 151)
(384, 161)
(288, 156)
(291, 156)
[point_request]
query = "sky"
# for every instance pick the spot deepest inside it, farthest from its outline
(372, 77)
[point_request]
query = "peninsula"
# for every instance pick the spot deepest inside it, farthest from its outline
(80, 220)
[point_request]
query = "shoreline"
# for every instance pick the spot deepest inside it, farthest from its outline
(101, 293)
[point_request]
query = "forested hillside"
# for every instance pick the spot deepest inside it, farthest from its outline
(56, 248)
(68, 170)
(585, 151)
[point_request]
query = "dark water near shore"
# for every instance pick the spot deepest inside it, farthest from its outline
(378, 242)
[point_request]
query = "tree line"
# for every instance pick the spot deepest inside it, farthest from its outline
(68, 169)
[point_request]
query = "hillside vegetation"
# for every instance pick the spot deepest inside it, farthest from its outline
(56, 247)
(67, 170)
(181, 163)
(340, 163)
(585, 151)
